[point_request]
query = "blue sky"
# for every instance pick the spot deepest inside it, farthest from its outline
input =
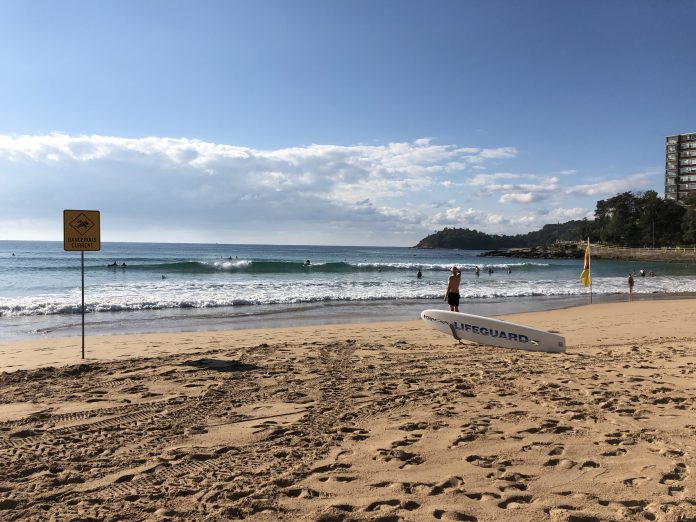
(339, 122)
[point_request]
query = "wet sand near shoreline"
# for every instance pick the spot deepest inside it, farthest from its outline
(373, 421)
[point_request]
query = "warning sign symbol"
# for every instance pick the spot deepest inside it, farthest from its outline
(82, 224)
(81, 230)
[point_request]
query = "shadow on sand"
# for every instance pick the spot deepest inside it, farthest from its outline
(221, 365)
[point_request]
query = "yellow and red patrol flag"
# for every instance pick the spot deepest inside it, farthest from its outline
(585, 276)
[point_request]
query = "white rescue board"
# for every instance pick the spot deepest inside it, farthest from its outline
(493, 332)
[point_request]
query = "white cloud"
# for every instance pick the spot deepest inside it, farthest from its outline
(456, 216)
(218, 188)
(567, 214)
(487, 184)
(518, 197)
(191, 190)
(496, 220)
(484, 180)
(524, 222)
(482, 155)
(611, 187)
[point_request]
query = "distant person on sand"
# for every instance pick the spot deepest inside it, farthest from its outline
(630, 286)
(452, 292)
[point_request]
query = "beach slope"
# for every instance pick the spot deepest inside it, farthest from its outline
(389, 421)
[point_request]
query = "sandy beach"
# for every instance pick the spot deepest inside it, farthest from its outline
(376, 421)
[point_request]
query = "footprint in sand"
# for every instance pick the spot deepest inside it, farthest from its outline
(472, 431)
(302, 493)
(441, 514)
(452, 483)
(481, 461)
(338, 478)
(635, 481)
(560, 463)
(357, 434)
(414, 426)
(489, 461)
(517, 486)
(676, 475)
(676, 490)
(671, 453)
(515, 502)
(392, 503)
(615, 453)
(408, 459)
(407, 441)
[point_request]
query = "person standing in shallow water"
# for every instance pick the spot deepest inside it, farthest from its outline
(630, 286)
(452, 292)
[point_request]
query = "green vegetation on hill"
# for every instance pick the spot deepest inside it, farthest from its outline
(643, 220)
(627, 219)
(467, 239)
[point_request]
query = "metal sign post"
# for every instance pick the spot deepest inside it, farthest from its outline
(82, 308)
(81, 232)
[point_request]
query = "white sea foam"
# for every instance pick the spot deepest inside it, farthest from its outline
(114, 297)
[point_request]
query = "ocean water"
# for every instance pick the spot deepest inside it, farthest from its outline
(166, 287)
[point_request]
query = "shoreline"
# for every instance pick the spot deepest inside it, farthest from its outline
(47, 351)
(303, 314)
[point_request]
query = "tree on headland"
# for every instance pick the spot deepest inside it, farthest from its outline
(641, 220)
(628, 219)
(468, 239)
(688, 228)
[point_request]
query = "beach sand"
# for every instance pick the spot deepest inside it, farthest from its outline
(388, 421)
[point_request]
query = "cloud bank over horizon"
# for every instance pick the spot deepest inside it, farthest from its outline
(188, 190)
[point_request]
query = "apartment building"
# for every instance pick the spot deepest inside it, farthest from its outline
(680, 166)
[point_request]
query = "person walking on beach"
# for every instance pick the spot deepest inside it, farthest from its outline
(452, 292)
(630, 286)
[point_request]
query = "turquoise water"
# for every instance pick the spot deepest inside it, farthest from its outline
(198, 286)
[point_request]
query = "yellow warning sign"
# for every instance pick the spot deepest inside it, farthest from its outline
(81, 230)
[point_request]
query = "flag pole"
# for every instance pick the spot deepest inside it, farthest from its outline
(589, 264)
(586, 277)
